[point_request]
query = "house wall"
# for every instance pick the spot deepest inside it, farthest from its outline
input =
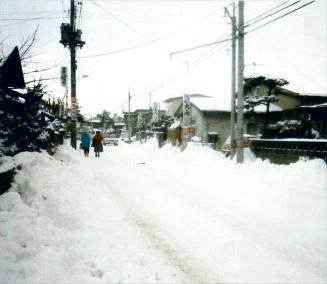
(217, 122)
(199, 124)
(205, 122)
(287, 102)
(173, 105)
(284, 101)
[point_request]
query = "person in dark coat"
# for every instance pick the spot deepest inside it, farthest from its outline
(97, 143)
(85, 143)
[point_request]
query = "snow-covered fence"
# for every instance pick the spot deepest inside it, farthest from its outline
(285, 151)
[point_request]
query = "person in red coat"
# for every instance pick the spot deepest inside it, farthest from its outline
(97, 143)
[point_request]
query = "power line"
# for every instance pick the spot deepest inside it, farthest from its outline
(271, 14)
(135, 46)
(193, 63)
(280, 17)
(151, 41)
(30, 19)
(112, 15)
(200, 46)
(41, 70)
(270, 9)
(30, 12)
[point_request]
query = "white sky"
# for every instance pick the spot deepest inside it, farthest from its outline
(294, 48)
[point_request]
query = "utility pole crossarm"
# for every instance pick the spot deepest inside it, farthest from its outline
(232, 18)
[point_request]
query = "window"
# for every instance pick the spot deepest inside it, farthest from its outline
(212, 138)
(252, 128)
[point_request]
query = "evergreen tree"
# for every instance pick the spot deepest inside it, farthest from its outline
(251, 101)
(23, 125)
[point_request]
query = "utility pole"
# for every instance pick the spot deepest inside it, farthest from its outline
(73, 67)
(129, 117)
(233, 86)
(240, 84)
(63, 77)
(71, 37)
(150, 100)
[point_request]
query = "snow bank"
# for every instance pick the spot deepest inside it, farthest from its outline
(255, 222)
(144, 214)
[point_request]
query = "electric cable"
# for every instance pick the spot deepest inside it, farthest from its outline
(30, 19)
(112, 15)
(271, 14)
(30, 12)
(270, 9)
(282, 16)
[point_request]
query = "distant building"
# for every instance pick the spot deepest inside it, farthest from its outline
(117, 127)
(96, 123)
(289, 106)
(209, 117)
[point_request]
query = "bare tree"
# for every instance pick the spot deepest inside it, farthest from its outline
(25, 49)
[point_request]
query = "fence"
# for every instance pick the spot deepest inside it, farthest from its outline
(285, 151)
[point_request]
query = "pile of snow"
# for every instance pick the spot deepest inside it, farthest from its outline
(196, 139)
(144, 214)
(176, 124)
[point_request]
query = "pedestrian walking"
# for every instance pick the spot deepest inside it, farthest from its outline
(97, 143)
(85, 143)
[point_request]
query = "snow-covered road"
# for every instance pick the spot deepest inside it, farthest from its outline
(142, 214)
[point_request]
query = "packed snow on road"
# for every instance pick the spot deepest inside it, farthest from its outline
(140, 214)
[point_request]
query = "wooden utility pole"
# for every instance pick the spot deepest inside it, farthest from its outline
(233, 85)
(71, 37)
(129, 117)
(72, 48)
(240, 84)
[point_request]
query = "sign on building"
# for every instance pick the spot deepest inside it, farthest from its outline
(155, 112)
(63, 76)
(187, 113)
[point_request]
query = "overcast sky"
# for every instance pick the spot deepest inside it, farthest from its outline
(294, 48)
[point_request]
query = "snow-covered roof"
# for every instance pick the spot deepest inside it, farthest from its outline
(295, 140)
(190, 95)
(196, 139)
(211, 104)
(314, 94)
(315, 106)
(176, 124)
(272, 108)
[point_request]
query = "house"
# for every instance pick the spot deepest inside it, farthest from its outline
(143, 118)
(289, 106)
(174, 103)
(117, 128)
(210, 117)
(96, 123)
(131, 118)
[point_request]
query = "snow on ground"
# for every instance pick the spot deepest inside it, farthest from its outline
(141, 214)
